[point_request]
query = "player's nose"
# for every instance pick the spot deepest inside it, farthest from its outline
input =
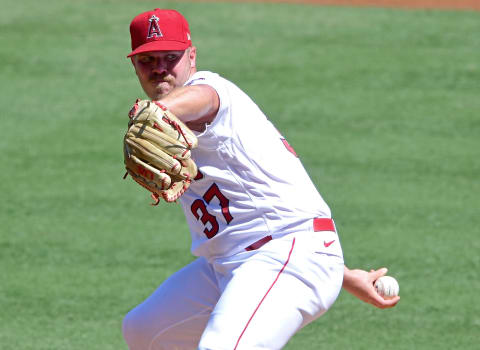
(160, 66)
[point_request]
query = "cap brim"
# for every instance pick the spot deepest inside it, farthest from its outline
(158, 45)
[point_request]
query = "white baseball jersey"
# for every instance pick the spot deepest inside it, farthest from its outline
(250, 184)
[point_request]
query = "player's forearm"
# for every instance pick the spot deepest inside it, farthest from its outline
(198, 103)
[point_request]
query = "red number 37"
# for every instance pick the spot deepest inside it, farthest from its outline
(199, 210)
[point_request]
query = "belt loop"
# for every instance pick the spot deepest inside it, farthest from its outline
(323, 224)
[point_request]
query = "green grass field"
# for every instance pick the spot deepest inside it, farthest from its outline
(382, 105)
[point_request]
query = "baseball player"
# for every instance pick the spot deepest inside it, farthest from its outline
(269, 256)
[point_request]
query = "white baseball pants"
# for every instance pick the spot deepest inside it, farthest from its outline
(254, 300)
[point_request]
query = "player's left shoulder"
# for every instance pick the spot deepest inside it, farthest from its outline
(202, 77)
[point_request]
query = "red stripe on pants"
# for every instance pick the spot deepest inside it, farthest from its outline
(268, 291)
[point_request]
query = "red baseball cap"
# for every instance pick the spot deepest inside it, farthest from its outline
(159, 30)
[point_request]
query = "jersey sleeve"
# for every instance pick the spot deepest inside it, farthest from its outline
(218, 84)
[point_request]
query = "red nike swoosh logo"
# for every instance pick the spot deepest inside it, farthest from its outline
(328, 244)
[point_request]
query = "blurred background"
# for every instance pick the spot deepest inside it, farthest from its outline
(381, 104)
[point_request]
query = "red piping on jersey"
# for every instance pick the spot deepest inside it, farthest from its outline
(268, 291)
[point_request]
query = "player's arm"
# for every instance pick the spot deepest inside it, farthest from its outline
(360, 284)
(195, 105)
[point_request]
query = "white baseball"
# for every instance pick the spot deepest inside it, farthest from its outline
(387, 287)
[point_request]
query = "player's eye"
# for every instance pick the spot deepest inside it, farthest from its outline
(146, 59)
(171, 57)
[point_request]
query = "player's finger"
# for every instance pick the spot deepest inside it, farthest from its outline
(374, 275)
(385, 303)
(390, 302)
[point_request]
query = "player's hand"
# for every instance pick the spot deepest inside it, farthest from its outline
(361, 284)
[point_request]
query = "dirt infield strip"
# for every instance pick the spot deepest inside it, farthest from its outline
(418, 4)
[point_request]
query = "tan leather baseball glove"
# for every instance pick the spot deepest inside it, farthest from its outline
(157, 149)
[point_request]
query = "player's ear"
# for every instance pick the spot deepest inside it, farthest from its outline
(192, 56)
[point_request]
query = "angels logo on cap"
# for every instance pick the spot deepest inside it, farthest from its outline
(154, 29)
(159, 30)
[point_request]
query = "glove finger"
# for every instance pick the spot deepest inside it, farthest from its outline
(152, 155)
(147, 176)
(188, 171)
(162, 140)
(176, 190)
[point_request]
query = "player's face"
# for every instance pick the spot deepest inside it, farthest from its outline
(159, 72)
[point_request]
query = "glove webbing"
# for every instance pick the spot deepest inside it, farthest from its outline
(173, 123)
